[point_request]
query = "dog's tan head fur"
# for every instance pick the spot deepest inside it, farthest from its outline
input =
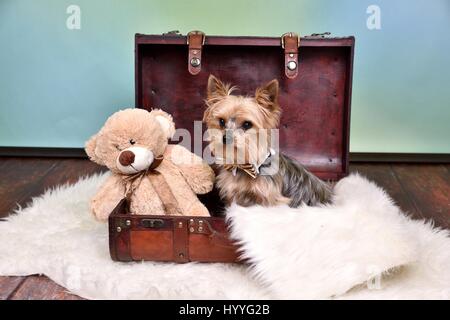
(244, 120)
(239, 126)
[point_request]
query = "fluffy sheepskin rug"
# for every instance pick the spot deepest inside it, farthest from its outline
(360, 247)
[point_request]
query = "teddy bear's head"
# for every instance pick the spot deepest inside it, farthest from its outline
(131, 139)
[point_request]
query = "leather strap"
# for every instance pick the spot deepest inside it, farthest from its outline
(290, 42)
(195, 41)
(164, 192)
(180, 240)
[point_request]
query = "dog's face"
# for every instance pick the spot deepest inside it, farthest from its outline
(239, 127)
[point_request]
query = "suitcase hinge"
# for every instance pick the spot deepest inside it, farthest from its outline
(195, 40)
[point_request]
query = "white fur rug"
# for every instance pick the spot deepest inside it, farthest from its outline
(337, 251)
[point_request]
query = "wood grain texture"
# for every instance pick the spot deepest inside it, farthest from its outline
(429, 188)
(41, 288)
(24, 178)
(383, 176)
(18, 178)
(8, 285)
(67, 171)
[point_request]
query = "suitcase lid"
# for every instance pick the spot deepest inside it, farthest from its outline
(314, 127)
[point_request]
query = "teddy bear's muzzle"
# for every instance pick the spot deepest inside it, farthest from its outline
(134, 159)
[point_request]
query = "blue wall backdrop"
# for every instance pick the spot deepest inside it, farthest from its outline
(58, 85)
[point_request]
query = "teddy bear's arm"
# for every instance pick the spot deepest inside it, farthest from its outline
(107, 198)
(198, 174)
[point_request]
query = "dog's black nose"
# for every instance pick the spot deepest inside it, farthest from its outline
(226, 139)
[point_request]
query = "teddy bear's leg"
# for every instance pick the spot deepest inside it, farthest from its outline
(107, 198)
(145, 200)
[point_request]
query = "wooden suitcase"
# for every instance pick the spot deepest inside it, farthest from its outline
(171, 70)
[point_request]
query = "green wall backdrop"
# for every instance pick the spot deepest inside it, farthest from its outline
(57, 85)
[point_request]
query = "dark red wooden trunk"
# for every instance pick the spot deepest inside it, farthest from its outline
(316, 104)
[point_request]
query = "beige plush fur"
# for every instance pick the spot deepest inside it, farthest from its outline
(185, 173)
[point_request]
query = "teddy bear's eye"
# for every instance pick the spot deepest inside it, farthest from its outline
(132, 141)
(117, 147)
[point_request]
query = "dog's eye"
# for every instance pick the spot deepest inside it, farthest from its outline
(247, 125)
(222, 122)
(132, 141)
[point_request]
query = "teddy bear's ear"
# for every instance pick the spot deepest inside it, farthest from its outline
(89, 147)
(166, 122)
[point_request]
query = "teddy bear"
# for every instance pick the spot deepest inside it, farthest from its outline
(156, 177)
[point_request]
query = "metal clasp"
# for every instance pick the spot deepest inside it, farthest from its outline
(152, 223)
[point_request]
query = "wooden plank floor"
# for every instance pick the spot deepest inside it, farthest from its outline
(421, 190)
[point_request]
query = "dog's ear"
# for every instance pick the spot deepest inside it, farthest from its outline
(267, 95)
(89, 147)
(215, 91)
(216, 88)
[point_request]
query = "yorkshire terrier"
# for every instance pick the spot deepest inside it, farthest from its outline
(251, 172)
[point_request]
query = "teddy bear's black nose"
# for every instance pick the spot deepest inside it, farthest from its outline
(126, 158)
